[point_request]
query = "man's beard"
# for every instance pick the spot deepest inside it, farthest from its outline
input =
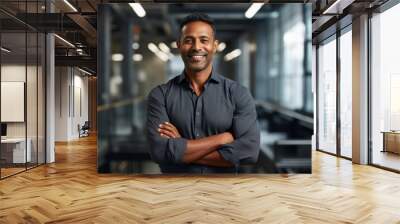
(203, 61)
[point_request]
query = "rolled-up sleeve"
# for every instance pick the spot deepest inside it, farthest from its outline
(246, 146)
(162, 150)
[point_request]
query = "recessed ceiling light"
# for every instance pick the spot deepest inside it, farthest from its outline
(253, 9)
(135, 46)
(139, 10)
(64, 40)
(221, 46)
(70, 5)
(137, 57)
(117, 57)
(233, 54)
(5, 50)
(164, 47)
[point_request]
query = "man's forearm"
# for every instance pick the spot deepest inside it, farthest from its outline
(214, 159)
(199, 148)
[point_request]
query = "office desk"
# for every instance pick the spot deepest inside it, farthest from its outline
(391, 141)
(15, 148)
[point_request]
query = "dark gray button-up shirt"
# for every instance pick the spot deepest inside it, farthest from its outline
(223, 106)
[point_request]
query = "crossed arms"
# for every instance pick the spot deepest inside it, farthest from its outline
(225, 149)
(200, 151)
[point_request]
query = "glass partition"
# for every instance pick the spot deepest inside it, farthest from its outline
(346, 93)
(385, 89)
(22, 88)
(327, 96)
(13, 108)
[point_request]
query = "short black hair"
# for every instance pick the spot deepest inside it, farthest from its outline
(198, 17)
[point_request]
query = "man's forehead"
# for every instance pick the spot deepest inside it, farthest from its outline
(198, 27)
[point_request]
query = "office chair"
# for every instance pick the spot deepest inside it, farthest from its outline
(84, 130)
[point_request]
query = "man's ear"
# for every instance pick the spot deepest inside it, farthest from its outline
(216, 42)
(178, 43)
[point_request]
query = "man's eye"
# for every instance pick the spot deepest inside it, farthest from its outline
(188, 41)
(204, 41)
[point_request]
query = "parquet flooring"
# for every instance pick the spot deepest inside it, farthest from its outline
(9, 171)
(71, 191)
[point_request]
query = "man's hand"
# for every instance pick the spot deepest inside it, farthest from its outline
(168, 130)
(227, 138)
(200, 151)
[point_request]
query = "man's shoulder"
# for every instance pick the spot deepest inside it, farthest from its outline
(232, 85)
(164, 87)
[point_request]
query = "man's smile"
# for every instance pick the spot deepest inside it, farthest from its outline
(197, 57)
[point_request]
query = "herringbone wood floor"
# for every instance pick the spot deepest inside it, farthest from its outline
(70, 191)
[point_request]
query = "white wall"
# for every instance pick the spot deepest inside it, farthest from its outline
(33, 126)
(16, 73)
(71, 94)
(61, 103)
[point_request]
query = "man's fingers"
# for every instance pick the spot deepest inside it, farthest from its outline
(166, 127)
(169, 128)
(171, 125)
(165, 136)
(167, 132)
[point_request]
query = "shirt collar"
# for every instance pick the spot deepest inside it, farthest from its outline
(214, 78)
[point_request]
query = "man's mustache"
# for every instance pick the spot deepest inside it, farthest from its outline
(196, 53)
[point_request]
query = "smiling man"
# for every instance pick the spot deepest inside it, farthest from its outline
(200, 121)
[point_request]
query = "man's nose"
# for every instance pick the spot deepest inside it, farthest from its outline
(196, 45)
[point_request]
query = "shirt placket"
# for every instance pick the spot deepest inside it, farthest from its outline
(197, 117)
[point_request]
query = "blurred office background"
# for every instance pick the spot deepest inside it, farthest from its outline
(267, 49)
(51, 47)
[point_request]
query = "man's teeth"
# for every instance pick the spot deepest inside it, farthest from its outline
(197, 57)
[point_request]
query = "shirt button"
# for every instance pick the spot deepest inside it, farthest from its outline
(197, 135)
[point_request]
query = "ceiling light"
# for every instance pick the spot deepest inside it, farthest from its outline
(163, 56)
(70, 5)
(221, 46)
(335, 4)
(137, 57)
(153, 48)
(117, 57)
(233, 54)
(64, 40)
(174, 45)
(139, 10)
(84, 71)
(5, 50)
(253, 9)
(164, 47)
(135, 46)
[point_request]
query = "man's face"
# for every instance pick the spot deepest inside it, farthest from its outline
(197, 45)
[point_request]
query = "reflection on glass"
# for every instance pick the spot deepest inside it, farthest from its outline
(14, 153)
(345, 94)
(327, 96)
(31, 97)
(385, 89)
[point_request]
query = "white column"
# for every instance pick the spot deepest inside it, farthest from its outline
(50, 93)
(360, 90)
